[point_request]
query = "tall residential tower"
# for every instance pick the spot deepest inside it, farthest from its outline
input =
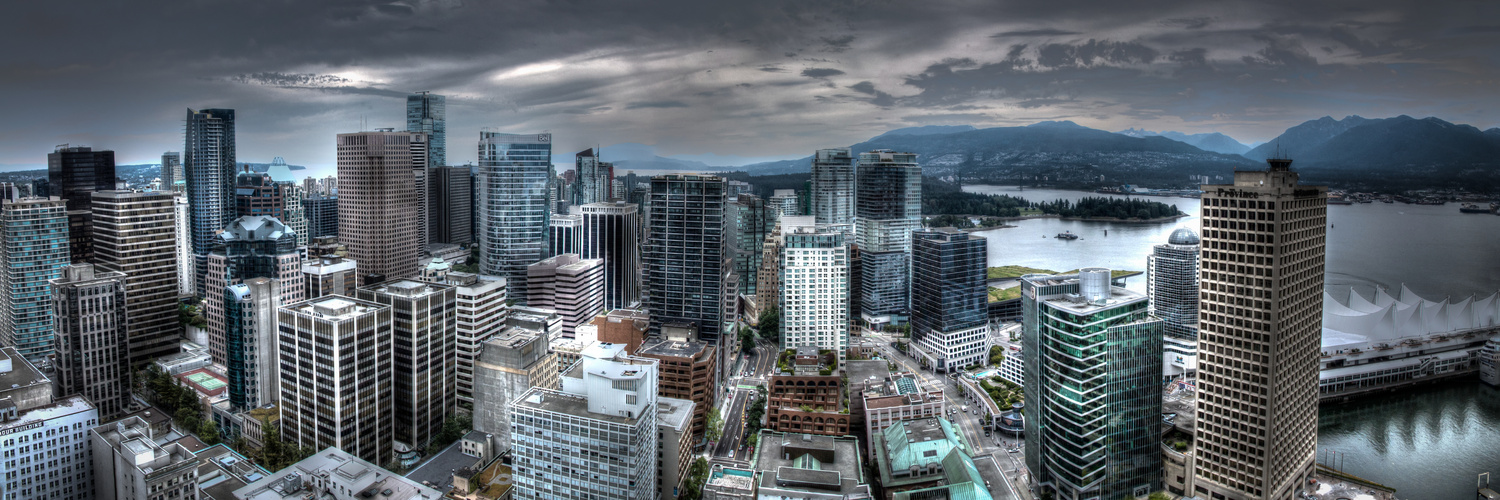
(888, 208)
(833, 186)
(208, 169)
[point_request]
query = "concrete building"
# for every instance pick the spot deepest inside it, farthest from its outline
(689, 274)
(43, 440)
(171, 173)
(274, 193)
(1172, 284)
(135, 233)
(382, 192)
(1093, 419)
(129, 464)
(751, 220)
(450, 208)
(182, 223)
(512, 205)
(482, 313)
(322, 214)
(329, 275)
(687, 370)
(72, 173)
(565, 234)
(888, 208)
(571, 286)
(814, 286)
(768, 277)
(337, 475)
(92, 337)
(810, 404)
(1260, 314)
(623, 326)
(424, 323)
(730, 483)
(602, 425)
(510, 363)
(807, 466)
(249, 247)
(611, 232)
(358, 333)
(784, 201)
(208, 167)
(833, 186)
(914, 454)
(34, 234)
(674, 443)
(950, 298)
(897, 398)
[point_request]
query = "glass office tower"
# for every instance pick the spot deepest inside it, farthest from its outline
(427, 112)
(208, 169)
(949, 297)
(514, 205)
(888, 208)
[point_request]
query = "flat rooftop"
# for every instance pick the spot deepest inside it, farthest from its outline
(674, 413)
(875, 370)
(335, 307)
(57, 409)
(346, 471)
(21, 374)
(567, 404)
(782, 458)
(672, 348)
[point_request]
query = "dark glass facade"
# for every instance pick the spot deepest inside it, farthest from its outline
(948, 281)
(73, 173)
(685, 259)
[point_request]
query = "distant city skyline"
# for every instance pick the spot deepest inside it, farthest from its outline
(752, 80)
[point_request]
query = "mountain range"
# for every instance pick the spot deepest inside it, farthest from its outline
(1385, 144)
(1213, 141)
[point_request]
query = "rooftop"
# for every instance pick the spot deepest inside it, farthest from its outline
(674, 413)
(671, 348)
(57, 409)
(335, 307)
(803, 462)
(408, 288)
(16, 373)
(567, 404)
(222, 470)
(342, 469)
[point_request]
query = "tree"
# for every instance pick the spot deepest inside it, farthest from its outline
(747, 339)
(715, 425)
(209, 432)
(696, 477)
(454, 428)
(997, 355)
(271, 447)
(769, 322)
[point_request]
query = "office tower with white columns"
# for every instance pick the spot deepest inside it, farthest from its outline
(566, 234)
(33, 250)
(1260, 321)
(72, 173)
(888, 207)
(833, 186)
(611, 232)
(815, 285)
(135, 233)
(513, 205)
(425, 338)
(950, 298)
(601, 425)
(481, 315)
(91, 337)
(381, 201)
(208, 157)
(182, 221)
(337, 376)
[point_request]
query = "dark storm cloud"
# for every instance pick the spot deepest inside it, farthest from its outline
(735, 76)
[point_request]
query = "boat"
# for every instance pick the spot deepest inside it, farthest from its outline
(1066, 235)
(1339, 201)
(1470, 208)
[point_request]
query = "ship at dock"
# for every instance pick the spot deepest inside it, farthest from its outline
(1475, 208)
(1066, 235)
(1393, 341)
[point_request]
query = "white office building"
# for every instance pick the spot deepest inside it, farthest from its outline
(814, 286)
(44, 449)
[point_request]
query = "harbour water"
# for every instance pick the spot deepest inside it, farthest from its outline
(1429, 442)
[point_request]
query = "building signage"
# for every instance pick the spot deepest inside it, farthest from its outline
(27, 427)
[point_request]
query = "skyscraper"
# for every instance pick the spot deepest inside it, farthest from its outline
(449, 207)
(611, 232)
(73, 173)
(208, 158)
(33, 250)
(272, 194)
(136, 233)
(506, 365)
(513, 205)
(322, 214)
(571, 286)
(815, 286)
(91, 337)
(1259, 331)
(689, 275)
(565, 233)
(1172, 284)
(949, 298)
(424, 338)
(378, 203)
(1093, 384)
(251, 247)
(171, 172)
(785, 202)
(427, 113)
(182, 222)
(601, 424)
(336, 387)
(888, 208)
(752, 220)
(481, 315)
(593, 179)
(833, 186)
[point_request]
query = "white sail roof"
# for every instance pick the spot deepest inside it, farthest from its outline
(1388, 318)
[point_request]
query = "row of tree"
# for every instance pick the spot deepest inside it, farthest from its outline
(1119, 208)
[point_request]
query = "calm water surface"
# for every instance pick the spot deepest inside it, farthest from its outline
(1428, 443)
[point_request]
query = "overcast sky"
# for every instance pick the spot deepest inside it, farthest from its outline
(757, 79)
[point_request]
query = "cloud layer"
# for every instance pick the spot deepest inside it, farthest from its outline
(750, 79)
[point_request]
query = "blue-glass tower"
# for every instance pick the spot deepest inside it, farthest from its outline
(428, 113)
(888, 206)
(208, 168)
(33, 250)
(949, 296)
(513, 205)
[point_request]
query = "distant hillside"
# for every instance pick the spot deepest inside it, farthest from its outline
(1391, 154)
(1298, 140)
(1213, 142)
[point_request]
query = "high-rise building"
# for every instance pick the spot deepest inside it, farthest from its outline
(325, 472)
(1172, 284)
(602, 424)
(182, 222)
(513, 206)
(424, 325)
(208, 157)
(46, 454)
(688, 371)
(450, 210)
(509, 363)
(274, 193)
(322, 214)
(250, 247)
(611, 232)
(129, 463)
(33, 251)
(1093, 385)
(689, 275)
(330, 275)
(949, 298)
(249, 316)
(814, 286)
(171, 172)
(135, 233)
(427, 113)
(565, 234)
(768, 276)
(785, 202)
(337, 376)
(571, 286)
(73, 173)
(481, 315)
(1259, 330)
(888, 207)
(593, 180)
(379, 202)
(833, 186)
(674, 445)
(91, 337)
(752, 221)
